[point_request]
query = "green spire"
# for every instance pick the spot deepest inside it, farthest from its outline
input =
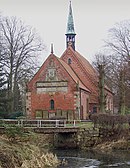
(70, 24)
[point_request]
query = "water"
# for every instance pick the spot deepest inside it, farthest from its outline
(91, 159)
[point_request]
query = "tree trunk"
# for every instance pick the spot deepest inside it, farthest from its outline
(101, 88)
(122, 92)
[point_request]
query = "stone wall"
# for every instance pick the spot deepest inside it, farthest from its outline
(87, 138)
(84, 138)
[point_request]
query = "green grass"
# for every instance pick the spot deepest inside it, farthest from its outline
(87, 125)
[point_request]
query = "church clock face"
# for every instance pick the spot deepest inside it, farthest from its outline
(70, 43)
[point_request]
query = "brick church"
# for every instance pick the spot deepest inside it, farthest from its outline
(65, 87)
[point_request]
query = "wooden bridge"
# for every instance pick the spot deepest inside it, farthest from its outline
(43, 126)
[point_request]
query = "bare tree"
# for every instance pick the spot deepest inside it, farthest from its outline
(3, 89)
(119, 41)
(101, 63)
(118, 46)
(20, 47)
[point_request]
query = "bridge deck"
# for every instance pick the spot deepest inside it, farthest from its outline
(42, 126)
(56, 130)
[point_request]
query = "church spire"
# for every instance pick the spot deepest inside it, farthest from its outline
(70, 24)
(70, 34)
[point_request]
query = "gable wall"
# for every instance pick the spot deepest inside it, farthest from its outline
(41, 101)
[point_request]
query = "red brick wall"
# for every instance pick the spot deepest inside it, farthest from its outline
(63, 100)
(84, 105)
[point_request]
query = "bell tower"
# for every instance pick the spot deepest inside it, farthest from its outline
(70, 33)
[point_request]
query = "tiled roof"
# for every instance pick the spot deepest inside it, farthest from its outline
(73, 75)
(88, 67)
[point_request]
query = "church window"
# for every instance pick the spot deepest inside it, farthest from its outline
(69, 61)
(52, 104)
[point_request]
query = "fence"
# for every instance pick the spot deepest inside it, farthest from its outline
(39, 123)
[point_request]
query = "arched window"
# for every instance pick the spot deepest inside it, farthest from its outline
(69, 61)
(52, 104)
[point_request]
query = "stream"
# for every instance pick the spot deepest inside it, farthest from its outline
(93, 159)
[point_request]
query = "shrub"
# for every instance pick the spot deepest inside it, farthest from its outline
(109, 121)
(15, 115)
(111, 126)
(14, 133)
(128, 118)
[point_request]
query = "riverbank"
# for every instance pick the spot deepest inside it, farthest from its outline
(109, 146)
(107, 140)
(28, 151)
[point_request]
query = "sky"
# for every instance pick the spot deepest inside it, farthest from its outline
(92, 20)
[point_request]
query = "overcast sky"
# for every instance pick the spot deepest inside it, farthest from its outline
(92, 19)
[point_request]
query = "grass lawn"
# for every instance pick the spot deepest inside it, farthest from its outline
(88, 125)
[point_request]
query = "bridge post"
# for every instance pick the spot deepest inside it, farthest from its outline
(37, 123)
(57, 123)
(21, 123)
(74, 123)
(18, 122)
(64, 123)
(40, 123)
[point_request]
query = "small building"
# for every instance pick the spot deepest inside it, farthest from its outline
(66, 86)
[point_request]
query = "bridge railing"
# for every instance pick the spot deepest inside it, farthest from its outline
(42, 123)
(39, 123)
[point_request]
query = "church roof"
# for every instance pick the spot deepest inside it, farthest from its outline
(90, 79)
(92, 71)
(88, 67)
(73, 75)
(84, 63)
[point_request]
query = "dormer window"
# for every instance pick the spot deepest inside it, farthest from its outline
(69, 61)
